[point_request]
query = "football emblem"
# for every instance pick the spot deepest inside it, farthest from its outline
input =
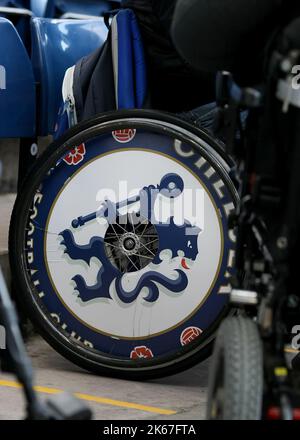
(189, 335)
(76, 155)
(129, 248)
(141, 353)
(124, 136)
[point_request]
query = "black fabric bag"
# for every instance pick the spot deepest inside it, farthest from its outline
(111, 78)
(93, 86)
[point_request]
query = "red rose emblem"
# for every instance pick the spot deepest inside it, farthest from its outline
(190, 334)
(76, 155)
(141, 353)
(125, 135)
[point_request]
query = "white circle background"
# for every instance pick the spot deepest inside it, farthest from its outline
(78, 198)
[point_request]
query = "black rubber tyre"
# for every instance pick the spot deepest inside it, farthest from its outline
(236, 380)
(28, 296)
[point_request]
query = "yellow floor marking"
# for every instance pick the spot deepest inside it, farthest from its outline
(95, 399)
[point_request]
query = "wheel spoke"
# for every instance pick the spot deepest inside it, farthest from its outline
(133, 228)
(112, 245)
(145, 222)
(127, 256)
(127, 248)
(152, 241)
(116, 233)
(123, 229)
(143, 256)
(148, 249)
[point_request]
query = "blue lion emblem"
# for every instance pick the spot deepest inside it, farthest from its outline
(169, 237)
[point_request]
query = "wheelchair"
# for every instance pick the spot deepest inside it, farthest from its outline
(119, 241)
(251, 376)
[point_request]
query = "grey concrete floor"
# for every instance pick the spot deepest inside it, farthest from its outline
(184, 394)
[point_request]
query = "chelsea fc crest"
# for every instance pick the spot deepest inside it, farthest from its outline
(129, 251)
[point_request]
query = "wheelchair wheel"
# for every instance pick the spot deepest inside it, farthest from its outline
(236, 381)
(120, 247)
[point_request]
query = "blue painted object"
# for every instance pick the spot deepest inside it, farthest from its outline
(90, 7)
(16, 3)
(17, 89)
(39, 7)
(18, 12)
(56, 8)
(56, 46)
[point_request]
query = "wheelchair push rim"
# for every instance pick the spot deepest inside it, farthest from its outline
(120, 247)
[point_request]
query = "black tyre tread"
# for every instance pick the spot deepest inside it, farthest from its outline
(239, 349)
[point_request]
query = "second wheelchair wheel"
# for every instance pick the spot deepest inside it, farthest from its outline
(236, 381)
(120, 246)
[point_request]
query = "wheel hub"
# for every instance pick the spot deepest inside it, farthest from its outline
(131, 247)
(130, 243)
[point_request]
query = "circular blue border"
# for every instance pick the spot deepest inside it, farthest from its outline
(161, 344)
